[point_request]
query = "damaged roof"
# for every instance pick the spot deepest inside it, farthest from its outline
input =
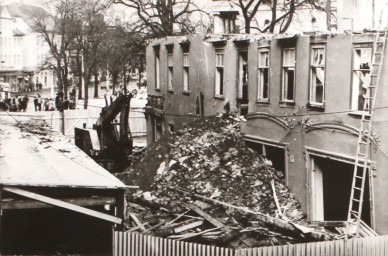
(31, 154)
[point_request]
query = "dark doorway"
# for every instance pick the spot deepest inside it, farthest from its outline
(336, 185)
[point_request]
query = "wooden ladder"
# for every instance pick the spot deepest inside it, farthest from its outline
(364, 138)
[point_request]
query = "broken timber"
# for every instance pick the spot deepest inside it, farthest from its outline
(32, 204)
(66, 205)
(286, 225)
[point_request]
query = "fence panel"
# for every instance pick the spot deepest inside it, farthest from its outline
(78, 117)
(133, 244)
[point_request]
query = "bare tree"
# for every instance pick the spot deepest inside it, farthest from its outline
(57, 29)
(280, 17)
(159, 18)
(90, 27)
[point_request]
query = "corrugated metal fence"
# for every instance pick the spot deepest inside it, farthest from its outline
(133, 244)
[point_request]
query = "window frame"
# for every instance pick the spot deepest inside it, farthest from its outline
(170, 70)
(261, 69)
(219, 74)
(157, 70)
(186, 71)
(313, 67)
(285, 68)
(355, 95)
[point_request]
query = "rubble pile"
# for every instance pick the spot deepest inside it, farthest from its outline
(203, 183)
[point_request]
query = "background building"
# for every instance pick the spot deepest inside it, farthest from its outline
(23, 52)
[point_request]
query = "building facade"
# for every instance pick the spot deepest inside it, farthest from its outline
(23, 53)
(301, 96)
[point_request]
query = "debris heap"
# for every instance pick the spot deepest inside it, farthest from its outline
(203, 184)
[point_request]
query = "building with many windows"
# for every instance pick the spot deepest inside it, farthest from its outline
(23, 52)
(302, 99)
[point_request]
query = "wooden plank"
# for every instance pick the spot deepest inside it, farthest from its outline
(188, 226)
(63, 204)
(115, 241)
(190, 235)
(136, 220)
(205, 215)
(84, 202)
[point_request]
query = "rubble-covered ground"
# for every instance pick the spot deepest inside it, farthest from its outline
(203, 184)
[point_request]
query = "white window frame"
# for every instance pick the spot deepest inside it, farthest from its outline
(170, 70)
(316, 66)
(219, 74)
(288, 64)
(361, 77)
(262, 70)
(186, 72)
(157, 70)
(158, 133)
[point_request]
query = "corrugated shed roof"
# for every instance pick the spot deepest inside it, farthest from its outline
(28, 159)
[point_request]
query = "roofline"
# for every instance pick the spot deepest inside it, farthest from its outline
(67, 186)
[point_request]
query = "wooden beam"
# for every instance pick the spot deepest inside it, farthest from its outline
(204, 214)
(190, 225)
(32, 204)
(63, 204)
(136, 220)
(120, 207)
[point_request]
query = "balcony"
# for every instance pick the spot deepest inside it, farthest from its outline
(155, 106)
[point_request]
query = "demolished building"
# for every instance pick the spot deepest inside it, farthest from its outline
(303, 97)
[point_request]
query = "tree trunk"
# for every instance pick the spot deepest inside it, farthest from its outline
(273, 18)
(80, 77)
(86, 93)
(95, 83)
(247, 26)
(115, 77)
(59, 76)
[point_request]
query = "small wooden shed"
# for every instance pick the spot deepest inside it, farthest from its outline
(53, 197)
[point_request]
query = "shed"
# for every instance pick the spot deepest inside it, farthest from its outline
(54, 198)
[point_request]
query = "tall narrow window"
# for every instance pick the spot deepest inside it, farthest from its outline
(362, 59)
(158, 129)
(317, 75)
(157, 70)
(263, 75)
(219, 83)
(243, 77)
(288, 83)
(186, 72)
(170, 66)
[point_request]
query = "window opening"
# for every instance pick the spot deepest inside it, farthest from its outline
(362, 58)
(186, 72)
(219, 86)
(263, 75)
(170, 72)
(317, 73)
(288, 83)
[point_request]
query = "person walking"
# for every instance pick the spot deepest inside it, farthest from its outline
(24, 103)
(39, 102)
